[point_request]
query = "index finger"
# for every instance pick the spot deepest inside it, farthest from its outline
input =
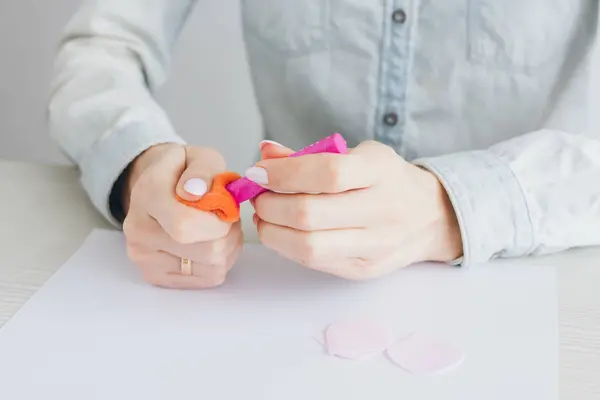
(314, 173)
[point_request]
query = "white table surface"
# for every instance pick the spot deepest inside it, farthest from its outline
(45, 215)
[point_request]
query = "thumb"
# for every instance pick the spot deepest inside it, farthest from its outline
(201, 165)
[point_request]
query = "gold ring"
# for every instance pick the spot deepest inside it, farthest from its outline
(186, 266)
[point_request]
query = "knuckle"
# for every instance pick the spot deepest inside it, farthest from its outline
(384, 152)
(276, 180)
(218, 246)
(182, 231)
(310, 251)
(303, 215)
(216, 254)
(334, 174)
(375, 144)
(212, 156)
(189, 228)
(178, 234)
(220, 230)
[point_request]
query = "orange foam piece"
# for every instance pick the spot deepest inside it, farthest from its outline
(218, 199)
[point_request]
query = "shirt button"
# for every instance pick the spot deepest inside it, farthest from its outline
(399, 16)
(390, 119)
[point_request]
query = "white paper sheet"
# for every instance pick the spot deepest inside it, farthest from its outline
(97, 331)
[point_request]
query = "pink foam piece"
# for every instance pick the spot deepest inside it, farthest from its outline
(357, 338)
(244, 189)
(331, 144)
(423, 355)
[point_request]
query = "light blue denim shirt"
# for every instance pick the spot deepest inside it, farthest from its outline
(495, 97)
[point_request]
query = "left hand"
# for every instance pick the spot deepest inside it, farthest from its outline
(358, 215)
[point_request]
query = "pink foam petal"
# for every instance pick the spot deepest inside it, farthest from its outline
(357, 338)
(420, 354)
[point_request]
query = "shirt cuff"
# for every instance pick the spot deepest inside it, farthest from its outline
(489, 203)
(101, 168)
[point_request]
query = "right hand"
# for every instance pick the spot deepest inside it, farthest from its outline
(160, 230)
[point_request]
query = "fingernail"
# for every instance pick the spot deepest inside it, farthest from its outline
(257, 175)
(195, 186)
(265, 142)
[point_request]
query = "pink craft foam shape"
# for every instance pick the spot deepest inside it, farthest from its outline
(359, 338)
(424, 355)
(244, 189)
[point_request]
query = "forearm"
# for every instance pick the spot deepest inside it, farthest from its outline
(102, 113)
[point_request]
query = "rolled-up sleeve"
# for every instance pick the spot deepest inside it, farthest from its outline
(535, 194)
(111, 58)
(489, 204)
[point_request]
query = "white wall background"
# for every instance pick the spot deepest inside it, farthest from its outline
(210, 50)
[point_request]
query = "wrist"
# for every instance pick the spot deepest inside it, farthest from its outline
(446, 240)
(137, 167)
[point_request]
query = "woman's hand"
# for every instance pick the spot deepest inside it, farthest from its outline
(160, 230)
(374, 212)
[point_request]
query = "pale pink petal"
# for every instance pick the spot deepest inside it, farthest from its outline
(420, 354)
(358, 338)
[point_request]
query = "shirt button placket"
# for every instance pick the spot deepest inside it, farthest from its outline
(392, 97)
